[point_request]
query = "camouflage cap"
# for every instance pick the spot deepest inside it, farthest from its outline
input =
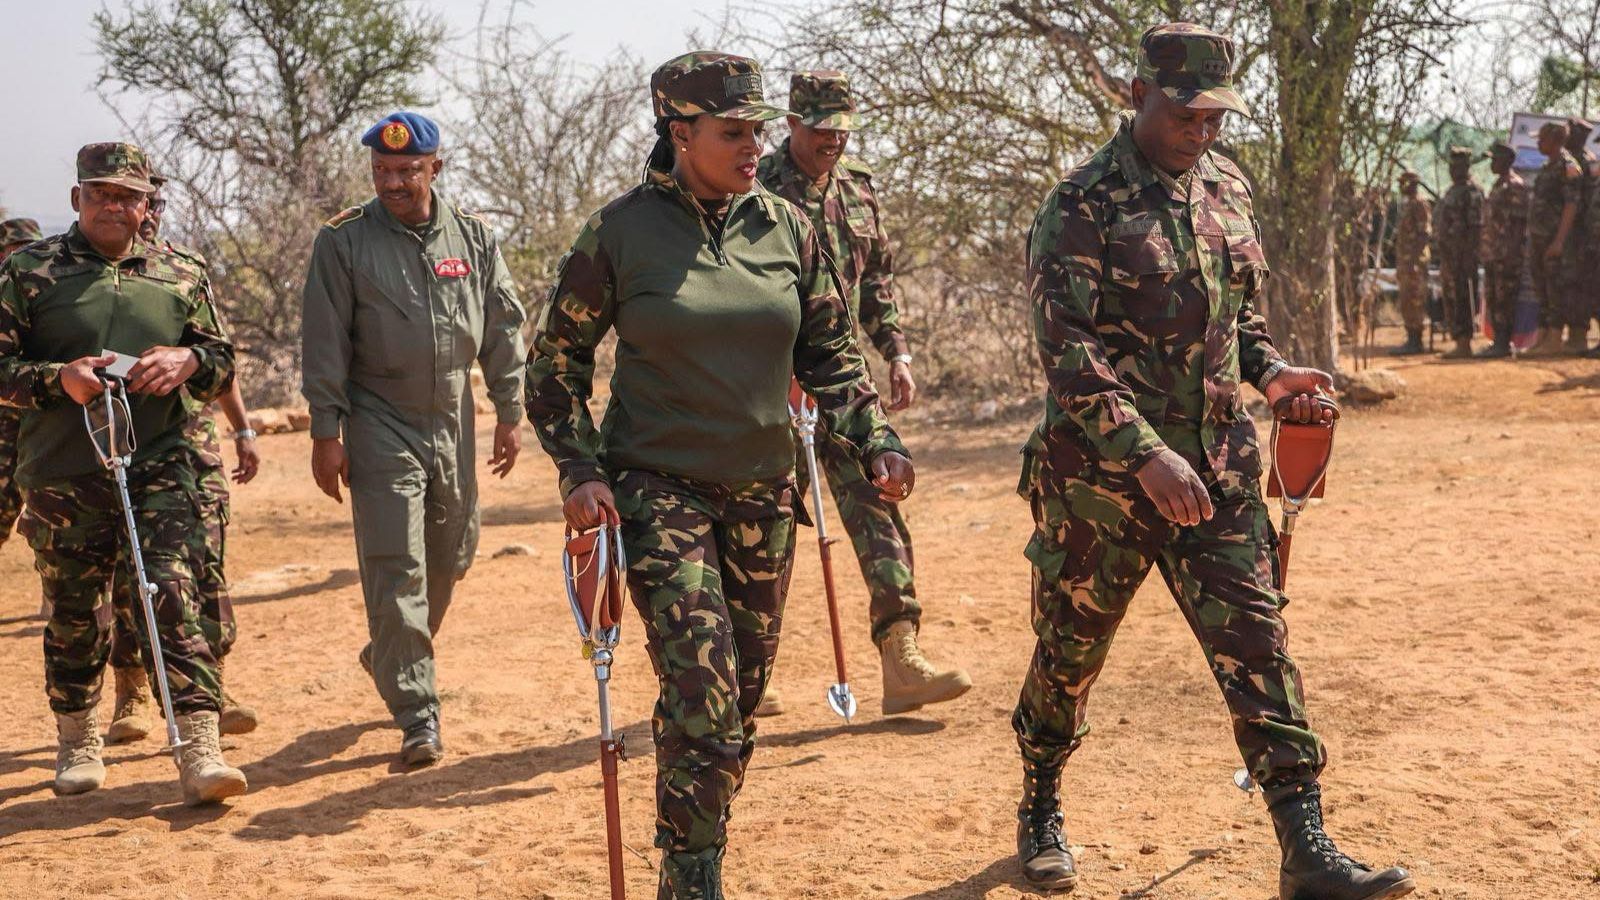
(115, 163)
(19, 231)
(1459, 153)
(1578, 130)
(706, 82)
(1500, 149)
(822, 99)
(1191, 64)
(1409, 177)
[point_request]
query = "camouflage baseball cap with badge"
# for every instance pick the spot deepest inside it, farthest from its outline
(1461, 154)
(1191, 64)
(706, 82)
(117, 163)
(822, 99)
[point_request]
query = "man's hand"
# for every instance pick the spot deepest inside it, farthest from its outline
(507, 444)
(590, 504)
(162, 370)
(1178, 493)
(893, 476)
(1553, 251)
(1301, 383)
(250, 460)
(330, 466)
(902, 388)
(79, 380)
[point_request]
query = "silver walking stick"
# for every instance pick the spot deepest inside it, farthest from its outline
(110, 424)
(803, 414)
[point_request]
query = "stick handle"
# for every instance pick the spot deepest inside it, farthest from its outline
(826, 550)
(1284, 540)
(608, 771)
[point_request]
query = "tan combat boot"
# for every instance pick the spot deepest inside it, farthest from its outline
(771, 704)
(909, 680)
(78, 745)
(205, 775)
(133, 714)
(236, 718)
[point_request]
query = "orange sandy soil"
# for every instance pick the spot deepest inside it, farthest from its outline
(1446, 615)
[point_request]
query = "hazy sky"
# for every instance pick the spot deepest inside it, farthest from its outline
(54, 56)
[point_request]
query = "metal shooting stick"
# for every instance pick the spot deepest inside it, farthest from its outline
(114, 443)
(592, 564)
(803, 414)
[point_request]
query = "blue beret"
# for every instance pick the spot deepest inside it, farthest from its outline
(404, 134)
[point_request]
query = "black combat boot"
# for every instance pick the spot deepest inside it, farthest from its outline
(1412, 346)
(1041, 845)
(1499, 350)
(1313, 868)
(421, 744)
(691, 876)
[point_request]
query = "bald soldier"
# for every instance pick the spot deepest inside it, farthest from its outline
(1578, 263)
(1144, 268)
(403, 295)
(810, 170)
(14, 235)
(1552, 217)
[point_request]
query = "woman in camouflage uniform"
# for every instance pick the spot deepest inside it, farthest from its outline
(719, 295)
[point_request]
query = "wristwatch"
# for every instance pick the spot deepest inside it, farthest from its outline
(901, 358)
(1271, 373)
(245, 434)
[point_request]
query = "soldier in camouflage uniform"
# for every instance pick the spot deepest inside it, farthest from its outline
(720, 294)
(1505, 234)
(1413, 234)
(1145, 265)
(133, 714)
(403, 295)
(14, 235)
(1457, 234)
(61, 301)
(1583, 256)
(835, 192)
(1552, 226)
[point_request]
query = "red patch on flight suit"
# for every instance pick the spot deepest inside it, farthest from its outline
(452, 268)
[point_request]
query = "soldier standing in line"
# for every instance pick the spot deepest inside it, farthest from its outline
(1413, 234)
(14, 235)
(720, 294)
(1144, 268)
(62, 301)
(1552, 220)
(810, 170)
(1505, 235)
(1583, 251)
(403, 295)
(1457, 234)
(133, 714)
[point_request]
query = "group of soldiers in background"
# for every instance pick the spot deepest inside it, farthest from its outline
(1547, 233)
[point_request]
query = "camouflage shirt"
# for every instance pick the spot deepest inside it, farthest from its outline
(1458, 222)
(848, 220)
(60, 300)
(1505, 221)
(1143, 288)
(1413, 233)
(713, 318)
(1559, 182)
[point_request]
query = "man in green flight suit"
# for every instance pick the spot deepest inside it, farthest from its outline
(404, 293)
(835, 192)
(1144, 268)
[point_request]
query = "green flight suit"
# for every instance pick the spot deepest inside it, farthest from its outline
(393, 319)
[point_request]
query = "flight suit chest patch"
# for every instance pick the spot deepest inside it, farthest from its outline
(452, 267)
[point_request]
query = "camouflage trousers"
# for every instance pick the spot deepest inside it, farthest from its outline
(1580, 293)
(708, 569)
(1090, 555)
(1413, 294)
(216, 607)
(1458, 280)
(878, 534)
(10, 493)
(80, 544)
(1546, 275)
(1501, 281)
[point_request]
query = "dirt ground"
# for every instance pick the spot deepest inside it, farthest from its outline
(1446, 614)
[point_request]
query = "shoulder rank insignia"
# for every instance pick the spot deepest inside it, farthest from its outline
(346, 215)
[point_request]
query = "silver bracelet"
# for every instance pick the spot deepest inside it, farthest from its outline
(245, 434)
(902, 358)
(1271, 373)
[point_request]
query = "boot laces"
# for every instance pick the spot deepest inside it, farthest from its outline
(1043, 816)
(910, 655)
(1322, 845)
